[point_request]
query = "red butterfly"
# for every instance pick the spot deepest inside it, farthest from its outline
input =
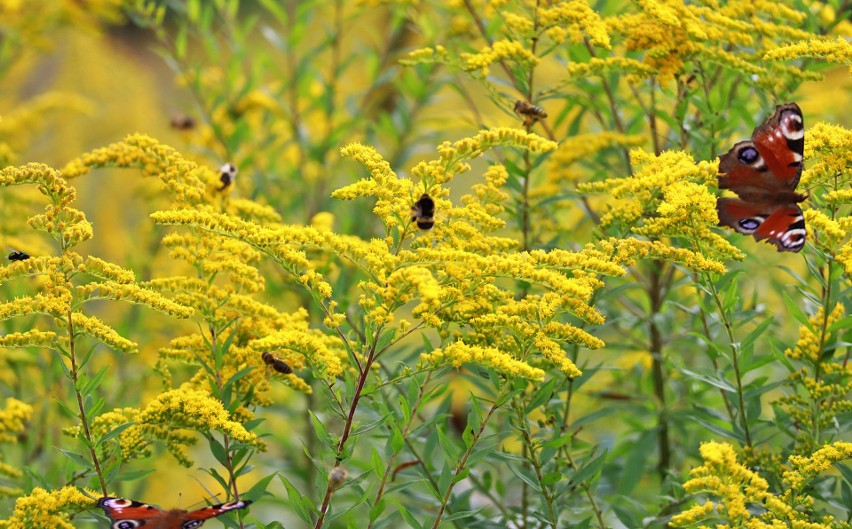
(764, 172)
(128, 514)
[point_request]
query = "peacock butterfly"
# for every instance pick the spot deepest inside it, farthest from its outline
(764, 172)
(129, 514)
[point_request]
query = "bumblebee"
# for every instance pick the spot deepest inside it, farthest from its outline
(530, 113)
(277, 364)
(18, 256)
(227, 175)
(423, 212)
(182, 122)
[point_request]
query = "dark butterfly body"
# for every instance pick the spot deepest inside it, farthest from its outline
(529, 112)
(18, 256)
(276, 363)
(423, 212)
(129, 514)
(764, 173)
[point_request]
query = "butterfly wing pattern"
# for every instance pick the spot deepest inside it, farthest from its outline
(129, 514)
(764, 173)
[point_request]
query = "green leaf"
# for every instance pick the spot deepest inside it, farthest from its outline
(590, 468)
(720, 383)
(410, 520)
(115, 432)
(377, 463)
(301, 504)
(551, 478)
(78, 459)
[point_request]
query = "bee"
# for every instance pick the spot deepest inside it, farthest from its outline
(423, 212)
(182, 122)
(277, 364)
(227, 175)
(18, 255)
(530, 113)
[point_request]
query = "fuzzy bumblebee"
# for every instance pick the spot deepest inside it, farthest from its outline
(529, 112)
(227, 175)
(18, 256)
(277, 364)
(423, 212)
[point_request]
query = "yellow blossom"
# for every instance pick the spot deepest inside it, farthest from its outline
(837, 51)
(193, 410)
(500, 51)
(13, 419)
(459, 353)
(42, 509)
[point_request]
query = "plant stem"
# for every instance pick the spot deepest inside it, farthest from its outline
(531, 456)
(84, 419)
(735, 358)
(656, 296)
(347, 428)
(463, 461)
(414, 409)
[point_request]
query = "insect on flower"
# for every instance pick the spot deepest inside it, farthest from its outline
(530, 113)
(182, 122)
(227, 175)
(126, 514)
(276, 363)
(18, 255)
(423, 212)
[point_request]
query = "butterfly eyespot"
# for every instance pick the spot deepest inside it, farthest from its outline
(127, 524)
(192, 524)
(749, 155)
(749, 224)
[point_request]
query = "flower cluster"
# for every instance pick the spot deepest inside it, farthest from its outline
(669, 34)
(733, 489)
(819, 387)
(42, 509)
(169, 418)
(667, 197)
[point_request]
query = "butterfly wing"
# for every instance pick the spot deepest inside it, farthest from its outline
(127, 514)
(769, 164)
(780, 224)
(194, 519)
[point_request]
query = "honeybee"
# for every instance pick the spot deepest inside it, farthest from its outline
(530, 113)
(18, 255)
(423, 212)
(276, 363)
(227, 175)
(182, 122)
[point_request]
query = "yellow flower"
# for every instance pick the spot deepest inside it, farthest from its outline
(837, 51)
(459, 353)
(194, 410)
(500, 51)
(42, 509)
(13, 419)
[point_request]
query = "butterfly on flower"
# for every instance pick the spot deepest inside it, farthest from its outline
(764, 172)
(129, 514)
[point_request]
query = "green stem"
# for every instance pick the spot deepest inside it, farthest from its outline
(735, 358)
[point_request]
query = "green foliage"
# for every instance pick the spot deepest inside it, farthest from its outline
(574, 343)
